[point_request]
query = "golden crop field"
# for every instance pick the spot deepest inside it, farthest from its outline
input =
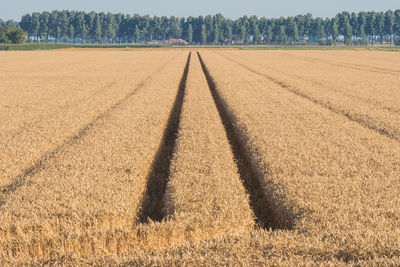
(200, 157)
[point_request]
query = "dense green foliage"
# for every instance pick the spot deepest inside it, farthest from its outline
(33, 46)
(8, 23)
(47, 46)
(11, 35)
(351, 28)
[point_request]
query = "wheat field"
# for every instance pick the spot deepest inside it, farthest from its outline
(199, 157)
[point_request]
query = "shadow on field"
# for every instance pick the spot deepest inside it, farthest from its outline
(39, 165)
(249, 175)
(153, 199)
(361, 120)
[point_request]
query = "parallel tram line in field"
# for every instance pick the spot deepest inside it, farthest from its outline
(359, 97)
(252, 180)
(84, 85)
(212, 160)
(363, 93)
(223, 208)
(381, 129)
(89, 190)
(157, 180)
(39, 164)
(42, 112)
(337, 176)
(347, 65)
(27, 125)
(204, 197)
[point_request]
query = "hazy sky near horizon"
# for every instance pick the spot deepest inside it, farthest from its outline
(14, 9)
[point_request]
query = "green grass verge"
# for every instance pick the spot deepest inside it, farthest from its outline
(371, 48)
(49, 46)
(33, 46)
(121, 45)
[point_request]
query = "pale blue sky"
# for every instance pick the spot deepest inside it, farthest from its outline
(14, 9)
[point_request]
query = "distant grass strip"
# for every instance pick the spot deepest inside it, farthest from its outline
(50, 46)
(33, 46)
(372, 48)
(121, 46)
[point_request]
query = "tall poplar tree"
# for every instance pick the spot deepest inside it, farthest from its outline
(335, 31)
(136, 34)
(190, 34)
(203, 34)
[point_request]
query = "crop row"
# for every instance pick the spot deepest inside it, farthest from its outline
(94, 182)
(155, 169)
(331, 178)
(366, 97)
(211, 157)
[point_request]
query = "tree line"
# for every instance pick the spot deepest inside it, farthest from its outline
(360, 28)
(10, 33)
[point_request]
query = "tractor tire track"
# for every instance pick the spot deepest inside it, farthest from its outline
(35, 168)
(322, 85)
(251, 178)
(153, 198)
(347, 65)
(363, 120)
(27, 125)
